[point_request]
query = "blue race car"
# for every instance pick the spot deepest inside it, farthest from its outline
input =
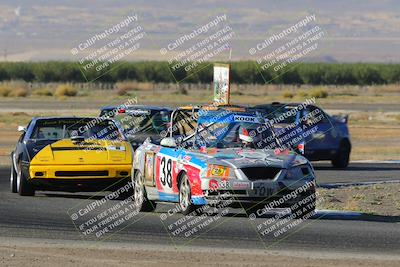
(309, 130)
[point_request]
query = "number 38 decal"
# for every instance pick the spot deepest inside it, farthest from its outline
(166, 171)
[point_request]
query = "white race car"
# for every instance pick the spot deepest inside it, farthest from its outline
(219, 152)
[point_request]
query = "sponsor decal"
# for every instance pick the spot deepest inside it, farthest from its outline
(138, 112)
(217, 171)
(244, 118)
(240, 185)
(215, 185)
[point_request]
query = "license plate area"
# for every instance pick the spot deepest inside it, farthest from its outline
(262, 189)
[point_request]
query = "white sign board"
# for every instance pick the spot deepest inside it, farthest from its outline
(221, 84)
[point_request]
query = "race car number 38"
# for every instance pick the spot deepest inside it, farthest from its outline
(166, 171)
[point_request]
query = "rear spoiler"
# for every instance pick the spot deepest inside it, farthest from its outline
(341, 118)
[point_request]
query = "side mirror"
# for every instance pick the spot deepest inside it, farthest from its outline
(21, 129)
(168, 142)
(341, 118)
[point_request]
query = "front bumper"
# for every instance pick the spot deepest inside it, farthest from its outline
(79, 185)
(248, 193)
(83, 172)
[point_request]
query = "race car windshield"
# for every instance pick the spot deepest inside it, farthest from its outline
(143, 121)
(66, 128)
(232, 130)
(280, 114)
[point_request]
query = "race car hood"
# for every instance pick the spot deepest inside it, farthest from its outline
(241, 158)
(35, 146)
(66, 152)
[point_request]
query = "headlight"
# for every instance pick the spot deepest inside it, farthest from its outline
(116, 148)
(299, 171)
(217, 171)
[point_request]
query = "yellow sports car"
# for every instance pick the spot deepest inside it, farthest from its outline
(70, 154)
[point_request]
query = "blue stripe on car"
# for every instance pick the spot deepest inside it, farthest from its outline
(170, 197)
(175, 153)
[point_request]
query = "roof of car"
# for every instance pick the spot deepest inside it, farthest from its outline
(137, 107)
(278, 104)
(215, 107)
(62, 117)
(65, 118)
(270, 104)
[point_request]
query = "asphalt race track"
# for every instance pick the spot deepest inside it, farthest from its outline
(45, 216)
(357, 173)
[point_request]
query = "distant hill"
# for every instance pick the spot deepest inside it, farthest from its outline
(357, 31)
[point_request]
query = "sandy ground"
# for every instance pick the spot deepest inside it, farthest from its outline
(377, 199)
(33, 252)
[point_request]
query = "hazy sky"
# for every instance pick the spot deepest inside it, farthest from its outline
(49, 29)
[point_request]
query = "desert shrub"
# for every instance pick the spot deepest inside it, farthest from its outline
(319, 93)
(19, 92)
(134, 85)
(144, 86)
(4, 91)
(66, 90)
(287, 94)
(17, 88)
(122, 91)
(183, 91)
(126, 86)
(42, 92)
(302, 94)
(237, 92)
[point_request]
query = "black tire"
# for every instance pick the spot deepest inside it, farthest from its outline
(185, 196)
(342, 158)
(13, 178)
(140, 196)
(24, 186)
(126, 194)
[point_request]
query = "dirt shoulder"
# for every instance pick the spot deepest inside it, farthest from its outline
(30, 252)
(377, 199)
